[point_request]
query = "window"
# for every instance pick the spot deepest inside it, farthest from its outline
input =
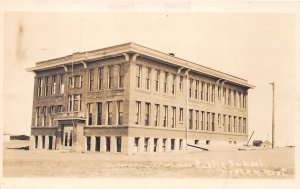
(100, 78)
(191, 88)
(224, 96)
(219, 92)
(196, 142)
(75, 82)
(53, 91)
(148, 77)
(190, 119)
(110, 76)
(234, 99)
(244, 126)
(197, 119)
(164, 144)
(219, 120)
(181, 115)
(45, 114)
(213, 93)
(166, 82)
(165, 117)
(147, 114)
(90, 114)
(99, 113)
(91, 79)
(244, 101)
(88, 143)
(109, 113)
(121, 76)
(36, 141)
(146, 144)
(97, 144)
(202, 120)
(224, 122)
(156, 114)
(240, 100)
(157, 80)
(173, 84)
(43, 142)
(74, 102)
(138, 112)
(240, 125)
(197, 90)
(46, 86)
(180, 144)
(107, 140)
(136, 143)
(173, 117)
(207, 92)
(120, 112)
(119, 143)
(208, 121)
(229, 124)
(172, 144)
(234, 124)
(59, 108)
(213, 122)
(155, 144)
(138, 76)
(181, 83)
(51, 118)
(40, 87)
(61, 84)
(38, 116)
(229, 97)
(202, 90)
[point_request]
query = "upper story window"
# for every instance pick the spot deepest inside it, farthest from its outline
(148, 78)
(75, 82)
(174, 84)
(100, 78)
(181, 83)
(109, 113)
(234, 99)
(110, 76)
(166, 82)
(138, 76)
(91, 79)
(40, 87)
(138, 112)
(229, 97)
(219, 92)
(202, 91)
(191, 88)
(244, 101)
(207, 92)
(74, 102)
(121, 76)
(61, 84)
(157, 80)
(46, 86)
(53, 87)
(147, 114)
(120, 112)
(213, 93)
(197, 90)
(224, 96)
(180, 115)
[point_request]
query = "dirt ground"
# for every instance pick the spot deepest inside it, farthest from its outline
(258, 163)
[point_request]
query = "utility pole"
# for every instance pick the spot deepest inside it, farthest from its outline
(273, 115)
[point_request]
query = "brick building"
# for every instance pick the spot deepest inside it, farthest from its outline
(129, 98)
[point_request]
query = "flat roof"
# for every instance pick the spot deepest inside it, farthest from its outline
(143, 51)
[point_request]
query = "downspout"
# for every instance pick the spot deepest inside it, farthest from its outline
(187, 106)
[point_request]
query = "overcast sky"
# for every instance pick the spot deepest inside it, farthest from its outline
(257, 47)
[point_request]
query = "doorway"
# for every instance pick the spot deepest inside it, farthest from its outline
(68, 137)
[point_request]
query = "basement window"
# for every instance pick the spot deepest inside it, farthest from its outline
(207, 142)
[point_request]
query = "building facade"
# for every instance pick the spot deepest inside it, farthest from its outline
(132, 99)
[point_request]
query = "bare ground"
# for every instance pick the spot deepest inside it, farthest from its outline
(259, 163)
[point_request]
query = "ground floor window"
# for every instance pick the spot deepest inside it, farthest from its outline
(50, 142)
(155, 144)
(172, 144)
(88, 143)
(36, 139)
(43, 142)
(180, 144)
(97, 144)
(164, 144)
(107, 144)
(119, 144)
(146, 144)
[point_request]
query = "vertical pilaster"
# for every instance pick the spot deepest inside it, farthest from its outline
(102, 144)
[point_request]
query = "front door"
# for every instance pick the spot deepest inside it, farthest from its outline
(68, 137)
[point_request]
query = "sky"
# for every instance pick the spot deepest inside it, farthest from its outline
(259, 47)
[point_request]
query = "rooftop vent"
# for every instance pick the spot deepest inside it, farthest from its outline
(171, 54)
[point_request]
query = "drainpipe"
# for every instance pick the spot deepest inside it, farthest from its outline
(187, 106)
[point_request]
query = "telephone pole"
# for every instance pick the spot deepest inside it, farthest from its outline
(273, 115)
